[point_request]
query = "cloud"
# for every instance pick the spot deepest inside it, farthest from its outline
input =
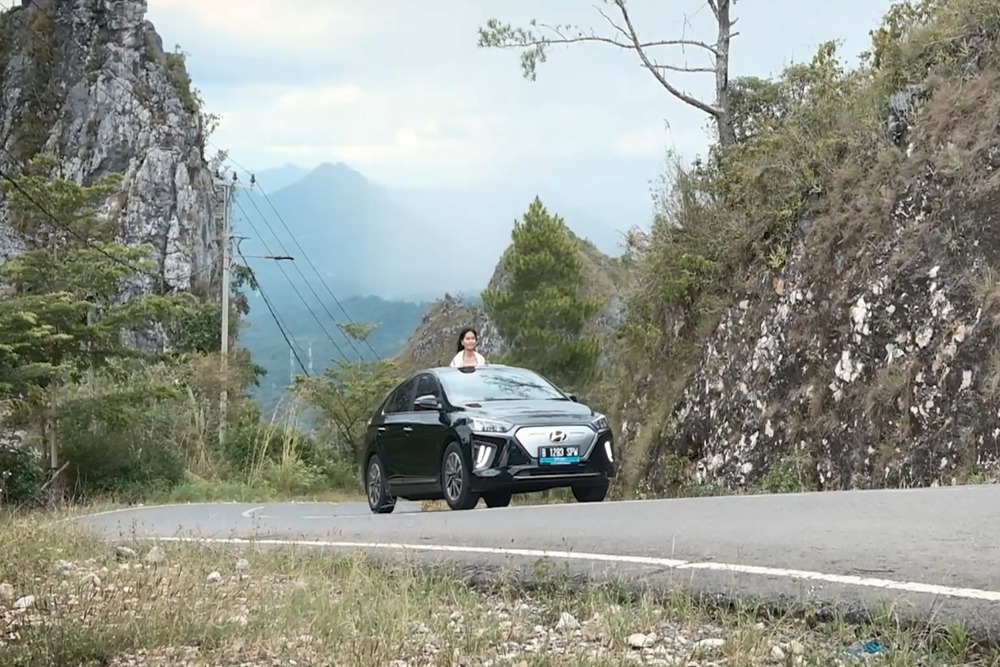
(385, 132)
(649, 141)
(306, 26)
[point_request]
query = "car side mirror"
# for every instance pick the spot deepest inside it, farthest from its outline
(427, 402)
(573, 398)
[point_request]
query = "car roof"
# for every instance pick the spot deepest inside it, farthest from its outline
(445, 370)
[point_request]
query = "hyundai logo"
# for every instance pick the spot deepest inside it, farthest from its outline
(557, 436)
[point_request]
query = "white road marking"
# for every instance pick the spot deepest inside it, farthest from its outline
(250, 511)
(849, 580)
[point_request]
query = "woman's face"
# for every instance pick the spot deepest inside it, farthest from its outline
(469, 340)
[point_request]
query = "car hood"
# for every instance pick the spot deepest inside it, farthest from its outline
(525, 413)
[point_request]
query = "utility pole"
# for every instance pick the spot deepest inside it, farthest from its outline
(310, 357)
(227, 261)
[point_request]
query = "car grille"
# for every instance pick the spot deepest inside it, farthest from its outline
(533, 437)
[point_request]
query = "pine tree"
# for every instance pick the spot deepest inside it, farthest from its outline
(540, 307)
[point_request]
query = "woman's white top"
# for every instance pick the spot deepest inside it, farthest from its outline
(458, 361)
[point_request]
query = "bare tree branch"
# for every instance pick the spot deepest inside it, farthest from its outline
(652, 67)
(534, 49)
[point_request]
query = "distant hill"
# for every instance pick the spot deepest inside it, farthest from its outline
(272, 180)
(356, 235)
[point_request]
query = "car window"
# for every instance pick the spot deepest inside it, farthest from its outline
(401, 399)
(508, 384)
(426, 385)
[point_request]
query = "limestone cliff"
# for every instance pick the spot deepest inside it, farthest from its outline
(89, 81)
(872, 358)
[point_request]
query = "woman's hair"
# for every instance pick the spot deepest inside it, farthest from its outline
(461, 335)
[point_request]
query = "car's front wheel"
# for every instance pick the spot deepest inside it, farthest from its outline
(455, 480)
(376, 488)
(590, 493)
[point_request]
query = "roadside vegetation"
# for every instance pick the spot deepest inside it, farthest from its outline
(69, 598)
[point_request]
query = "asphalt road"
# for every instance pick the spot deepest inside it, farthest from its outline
(935, 553)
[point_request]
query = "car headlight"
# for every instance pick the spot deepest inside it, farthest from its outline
(482, 454)
(489, 425)
(600, 423)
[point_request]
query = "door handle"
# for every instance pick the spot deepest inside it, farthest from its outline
(407, 428)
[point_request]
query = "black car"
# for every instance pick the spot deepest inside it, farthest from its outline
(484, 431)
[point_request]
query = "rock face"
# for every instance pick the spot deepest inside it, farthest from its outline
(88, 81)
(872, 361)
(435, 340)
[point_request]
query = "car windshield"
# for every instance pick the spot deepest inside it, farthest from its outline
(508, 384)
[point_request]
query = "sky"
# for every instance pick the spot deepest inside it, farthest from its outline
(400, 91)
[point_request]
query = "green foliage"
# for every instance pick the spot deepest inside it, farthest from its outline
(21, 476)
(65, 314)
(345, 396)
(940, 37)
(179, 78)
(540, 309)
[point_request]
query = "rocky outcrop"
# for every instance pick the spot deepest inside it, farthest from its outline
(436, 338)
(89, 81)
(872, 359)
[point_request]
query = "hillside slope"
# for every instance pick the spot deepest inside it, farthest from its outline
(870, 357)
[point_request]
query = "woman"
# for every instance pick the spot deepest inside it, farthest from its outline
(467, 355)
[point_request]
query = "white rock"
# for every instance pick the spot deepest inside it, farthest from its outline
(125, 553)
(567, 622)
(777, 653)
(24, 603)
(6, 592)
(214, 577)
(710, 644)
(242, 564)
(155, 556)
(640, 640)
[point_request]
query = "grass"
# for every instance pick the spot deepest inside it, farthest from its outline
(94, 604)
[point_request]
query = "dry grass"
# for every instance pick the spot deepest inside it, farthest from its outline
(94, 604)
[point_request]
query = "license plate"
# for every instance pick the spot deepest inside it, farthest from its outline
(558, 455)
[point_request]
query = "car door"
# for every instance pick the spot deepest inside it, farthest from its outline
(427, 437)
(394, 432)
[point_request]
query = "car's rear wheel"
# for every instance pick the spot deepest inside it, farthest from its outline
(376, 488)
(591, 493)
(497, 498)
(455, 480)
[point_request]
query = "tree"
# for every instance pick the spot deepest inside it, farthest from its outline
(65, 316)
(347, 393)
(623, 34)
(539, 308)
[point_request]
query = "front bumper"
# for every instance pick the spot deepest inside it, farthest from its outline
(510, 466)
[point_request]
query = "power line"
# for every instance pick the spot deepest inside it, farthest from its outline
(313, 266)
(66, 226)
(294, 288)
(305, 256)
(267, 302)
(306, 281)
